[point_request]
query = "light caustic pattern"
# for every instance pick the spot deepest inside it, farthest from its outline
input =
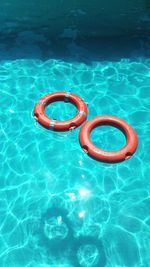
(58, 207)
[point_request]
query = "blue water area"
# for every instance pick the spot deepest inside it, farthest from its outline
(59, 207)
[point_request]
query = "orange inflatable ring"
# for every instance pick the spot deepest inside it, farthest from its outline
(49, 123)
(103, 155)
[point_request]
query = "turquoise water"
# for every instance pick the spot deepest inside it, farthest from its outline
(58, 207)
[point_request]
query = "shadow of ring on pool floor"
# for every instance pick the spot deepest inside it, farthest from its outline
(56, 232)
(88, 251)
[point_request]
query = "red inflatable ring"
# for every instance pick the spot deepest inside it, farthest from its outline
(49, 123)
(103, 155)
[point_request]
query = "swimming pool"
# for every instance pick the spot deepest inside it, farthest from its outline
(58, 207)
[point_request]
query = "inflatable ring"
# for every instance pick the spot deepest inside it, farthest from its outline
(49, 123)
(103, 155)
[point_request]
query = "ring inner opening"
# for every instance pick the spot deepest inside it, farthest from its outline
(107, 137)
(61, 110)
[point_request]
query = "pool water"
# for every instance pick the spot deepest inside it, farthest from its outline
(59, 207)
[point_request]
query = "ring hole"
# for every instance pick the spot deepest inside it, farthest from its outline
(60, 110)
(107, 137)
(128, 155)
(85, 149)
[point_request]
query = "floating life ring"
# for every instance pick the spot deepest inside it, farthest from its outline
(103, 155)
(49, 123)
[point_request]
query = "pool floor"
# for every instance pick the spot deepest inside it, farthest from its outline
(58, 207)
